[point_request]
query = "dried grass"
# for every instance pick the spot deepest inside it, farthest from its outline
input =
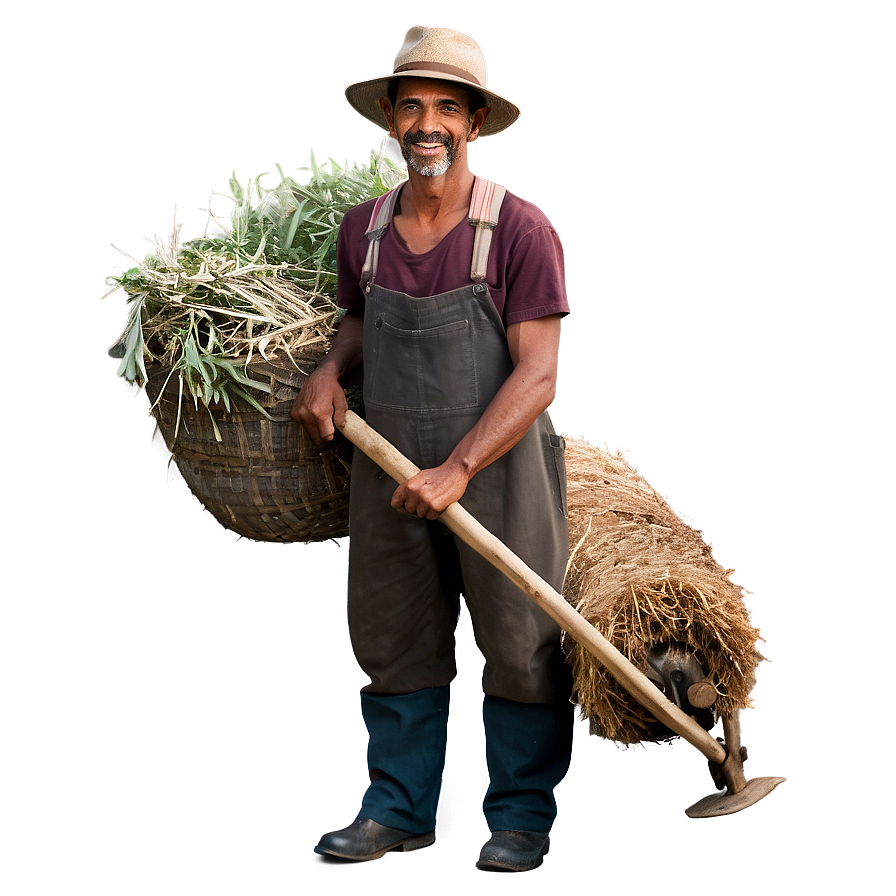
(641, 576)
(265, 285)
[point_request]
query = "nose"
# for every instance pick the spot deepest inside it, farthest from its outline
(428, 120)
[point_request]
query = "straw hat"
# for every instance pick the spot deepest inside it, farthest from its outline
(443, 54)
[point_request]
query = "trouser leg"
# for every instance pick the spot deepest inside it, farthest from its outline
(405, 757)
(528, 747)
(404, 590)
(527, 714)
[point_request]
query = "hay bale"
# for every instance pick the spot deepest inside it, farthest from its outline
(259, 476)
(642, 577)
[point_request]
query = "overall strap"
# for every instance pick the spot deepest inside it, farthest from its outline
(485, 205)
(484, 209)
(379, 219)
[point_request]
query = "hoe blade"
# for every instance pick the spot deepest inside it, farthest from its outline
(729, 803)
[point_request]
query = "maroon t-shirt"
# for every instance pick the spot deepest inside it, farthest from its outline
(525, 272)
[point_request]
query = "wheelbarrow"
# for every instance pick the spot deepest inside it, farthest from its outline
(725, 755)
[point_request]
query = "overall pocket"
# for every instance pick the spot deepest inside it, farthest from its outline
(422, 370)
(555, 456)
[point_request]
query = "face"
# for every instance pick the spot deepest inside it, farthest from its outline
(433, 123)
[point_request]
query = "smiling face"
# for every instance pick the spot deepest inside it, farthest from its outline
(433, 123)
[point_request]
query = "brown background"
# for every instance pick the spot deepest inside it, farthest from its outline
(721, 176)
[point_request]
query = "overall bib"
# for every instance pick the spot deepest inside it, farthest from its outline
(431, 367)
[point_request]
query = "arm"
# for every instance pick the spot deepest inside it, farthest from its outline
(322, 399)
(529, 390)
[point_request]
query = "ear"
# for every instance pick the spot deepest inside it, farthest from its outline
(386, 106)
(476, 123)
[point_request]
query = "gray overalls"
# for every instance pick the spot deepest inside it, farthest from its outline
(431, 367)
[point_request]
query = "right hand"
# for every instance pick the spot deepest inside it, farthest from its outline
(321, 405)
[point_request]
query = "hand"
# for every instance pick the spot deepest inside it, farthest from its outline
(431, 491)
(320, 404)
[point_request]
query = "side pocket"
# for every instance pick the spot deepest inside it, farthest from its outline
(556, 457)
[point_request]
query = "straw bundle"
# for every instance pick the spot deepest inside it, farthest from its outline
(643, 577)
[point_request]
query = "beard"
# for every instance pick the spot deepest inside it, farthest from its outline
(428, 167)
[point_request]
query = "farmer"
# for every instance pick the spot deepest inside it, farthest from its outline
(459, 328)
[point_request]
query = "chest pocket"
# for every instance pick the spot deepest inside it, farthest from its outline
(421, 370)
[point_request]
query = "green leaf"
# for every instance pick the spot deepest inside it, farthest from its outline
(297, 218)
(239, 377)
(248, 398)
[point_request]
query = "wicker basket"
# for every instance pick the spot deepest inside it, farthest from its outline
(264, 479)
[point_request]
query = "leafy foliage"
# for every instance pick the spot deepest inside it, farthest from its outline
(265, 283)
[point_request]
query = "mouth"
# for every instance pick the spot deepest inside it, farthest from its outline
(428, 148)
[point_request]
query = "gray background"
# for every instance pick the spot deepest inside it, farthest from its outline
(179, 707)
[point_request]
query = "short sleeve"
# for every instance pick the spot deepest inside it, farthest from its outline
(536, 276)
(351, 247)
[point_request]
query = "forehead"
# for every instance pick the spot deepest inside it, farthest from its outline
(431, 89)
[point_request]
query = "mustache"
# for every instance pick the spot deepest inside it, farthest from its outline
(421, 137)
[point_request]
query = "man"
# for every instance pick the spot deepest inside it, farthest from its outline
(459, 329)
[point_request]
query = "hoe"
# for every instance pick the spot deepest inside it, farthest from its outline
(725, 755)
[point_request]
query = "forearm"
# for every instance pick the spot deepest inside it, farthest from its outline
(526, 393)
(523, 397)
(345, 349)
(321, 403)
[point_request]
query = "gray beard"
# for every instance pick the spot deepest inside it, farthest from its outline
(424, 167)
(430, 169)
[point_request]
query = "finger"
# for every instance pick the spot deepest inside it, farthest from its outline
(319, 429)
(340, 409)
(326, 429)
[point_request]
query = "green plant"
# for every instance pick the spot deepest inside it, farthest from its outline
(264, 283)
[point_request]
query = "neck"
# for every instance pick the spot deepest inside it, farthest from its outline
(432, 198)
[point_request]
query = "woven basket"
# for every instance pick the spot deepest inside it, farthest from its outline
(264, 479)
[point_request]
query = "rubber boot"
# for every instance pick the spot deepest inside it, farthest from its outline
(528, 748)
(405, 756)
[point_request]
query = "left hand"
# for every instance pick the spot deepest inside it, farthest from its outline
(431, 491)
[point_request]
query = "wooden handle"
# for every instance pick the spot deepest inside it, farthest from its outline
(499, 555)
(702, 694)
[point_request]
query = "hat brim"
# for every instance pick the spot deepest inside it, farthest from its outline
(364, 98)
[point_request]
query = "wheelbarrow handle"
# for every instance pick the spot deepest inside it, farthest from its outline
(473, 533)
